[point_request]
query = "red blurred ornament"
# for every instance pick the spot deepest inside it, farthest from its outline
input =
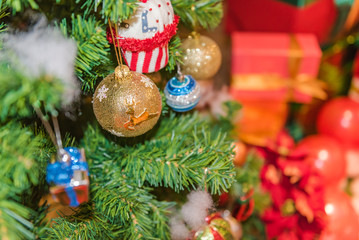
(326, 155)
(223, 199)
(241, 151)
(342, 222)
(352, 160)
(339, 118)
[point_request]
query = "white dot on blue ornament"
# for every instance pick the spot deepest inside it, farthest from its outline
(182, 95)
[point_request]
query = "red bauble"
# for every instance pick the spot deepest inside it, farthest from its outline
(240, 156)
(352, 159)
(326, 155)
(339, 118)
(342, 221)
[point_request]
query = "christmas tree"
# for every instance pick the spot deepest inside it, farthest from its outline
(135, 183)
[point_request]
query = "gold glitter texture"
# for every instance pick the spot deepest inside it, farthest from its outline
(127, 104)
(202, 57)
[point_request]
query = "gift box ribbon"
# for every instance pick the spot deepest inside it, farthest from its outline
(61, 173)
(300, 89)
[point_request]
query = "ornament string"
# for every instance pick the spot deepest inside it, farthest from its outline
(57, 132)
(55, 135)
(46, 125)
(118, 44)
(179, 73)
(114, 43)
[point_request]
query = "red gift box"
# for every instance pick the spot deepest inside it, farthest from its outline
(317, 17)
(82, 194)
(274, 66)
(272, 52)
(268, 70)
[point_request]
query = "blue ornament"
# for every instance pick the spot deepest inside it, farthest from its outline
(183, 95)
(69, 176)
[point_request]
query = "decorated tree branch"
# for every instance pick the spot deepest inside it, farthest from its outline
(111, 179)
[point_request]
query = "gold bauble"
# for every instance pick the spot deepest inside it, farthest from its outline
(127, 104)
(201, 57)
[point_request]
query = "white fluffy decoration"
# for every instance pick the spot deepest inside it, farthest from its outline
(179, 231)
(45, 51)
(196, 209)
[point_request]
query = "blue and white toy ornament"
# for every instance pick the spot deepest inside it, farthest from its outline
(69, 177)
(182, 95)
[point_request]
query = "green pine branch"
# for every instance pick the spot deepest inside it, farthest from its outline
(165, 108)
(160, 212)
(119, 210)
(19, 93)
(22, 161)
(3, 13)
(13, 220)
(18, 5)
(92, 47)
(126, 205)
(82, 224)
(199, 13)
(175, 53)
(183, 152)
(134, 209)
(19, 162)
(195, 155)
(115, 10)
(121, 175)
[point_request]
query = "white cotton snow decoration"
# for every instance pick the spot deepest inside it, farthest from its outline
(196, 209)
(45, 51)
(179, 231)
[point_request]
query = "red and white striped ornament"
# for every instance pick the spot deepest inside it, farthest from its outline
(144, 39)
(147, 62)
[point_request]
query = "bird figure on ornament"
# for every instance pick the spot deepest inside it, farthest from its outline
(133, 121)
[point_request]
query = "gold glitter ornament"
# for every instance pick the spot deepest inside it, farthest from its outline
(201, 57)
(127, 104)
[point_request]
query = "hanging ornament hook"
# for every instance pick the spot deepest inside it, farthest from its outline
(55, 134)
(62, 154)
(121, 70)
(180, 75)
(46, 125)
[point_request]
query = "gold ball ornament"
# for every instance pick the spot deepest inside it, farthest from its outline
(201, 57)
(127, 104)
